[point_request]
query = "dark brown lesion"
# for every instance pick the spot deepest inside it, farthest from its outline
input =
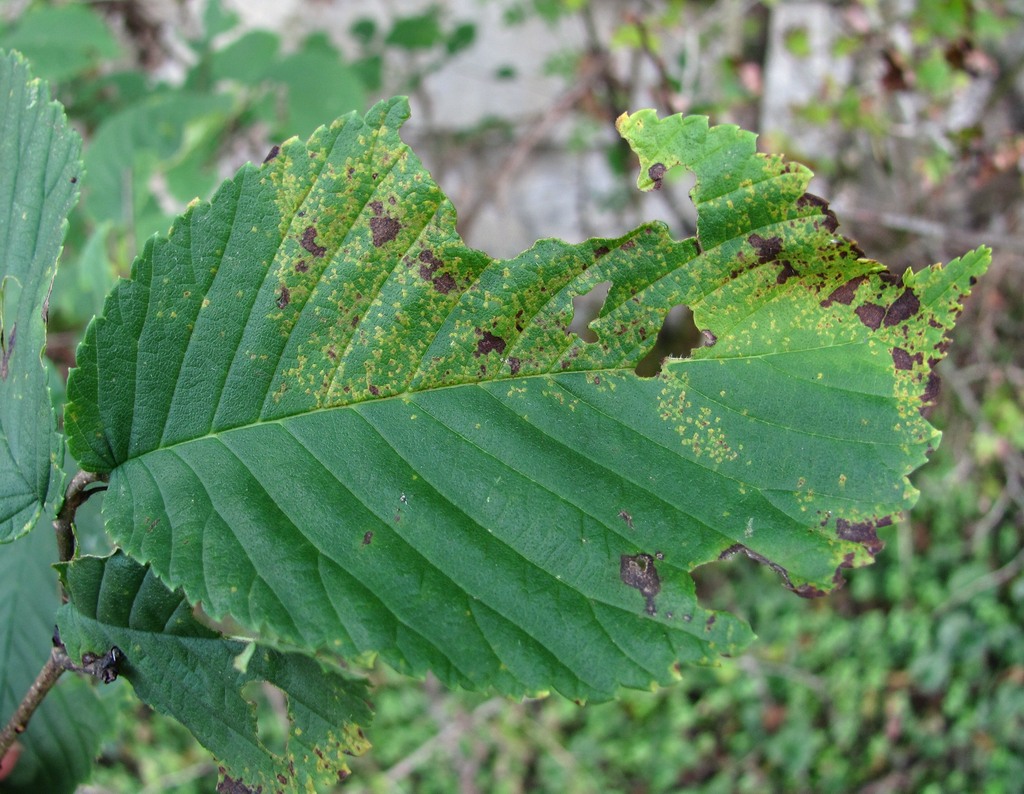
(844, 293)
(638, 571)
(863, 532)
(7, 350)
(284, 297)
(488, 343)
(657, 173)
(309, 242)
(767, 248)
(804, 590)
(384, 229)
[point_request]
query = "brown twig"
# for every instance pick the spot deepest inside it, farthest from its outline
(105, 668)
(44, 682)
(74, 497)
(512, 164)
(662, 90)
(926, 227)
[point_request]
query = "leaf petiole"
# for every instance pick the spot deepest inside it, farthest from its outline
(74, 497)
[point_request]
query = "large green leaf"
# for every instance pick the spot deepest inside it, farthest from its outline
(65, 732)
(38, 187)
(326, 416)
(186, 670)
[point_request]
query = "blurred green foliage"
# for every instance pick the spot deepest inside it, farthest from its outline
(154, 143)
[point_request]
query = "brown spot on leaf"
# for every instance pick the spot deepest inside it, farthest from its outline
(767, 248)
(74, 180)
(230, 785)
(8, 350)
(862, 532)
(739, 548)
(637, 570)
(367, 538)
(309, 242)
(444, 283)
(844, 294)
(871, 314)
(377, 207)
(903, 308)
(931, 392)
(901, 359)
(657, 172)
(514, 364)
(384, 230)
(274, 151)
(489, 343)
(374, 390)
(625, 516)
(710, 622)
(301, 266)
(785, 274)
(810, 200)
(600, 251)
(430, 264)
(807, 590)
(284, 297)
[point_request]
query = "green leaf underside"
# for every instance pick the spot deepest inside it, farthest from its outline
(184, 669)
(327, 417)
(38, 187)
(65, 732)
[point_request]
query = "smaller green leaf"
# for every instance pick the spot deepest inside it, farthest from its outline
(39, 167)
(82, 284)
(243, 60)
(336, 89)
(461, 38)
(147, 138)
(420, 32)
(217, 19)
(62, 41)
(364, 30)
(64, 734)
(182, 668)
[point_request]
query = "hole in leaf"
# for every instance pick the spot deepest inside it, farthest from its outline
(586, 308)
(736, 585)
(677, 338)
(272, 722)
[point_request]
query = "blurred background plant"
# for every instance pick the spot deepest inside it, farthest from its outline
(912, 115)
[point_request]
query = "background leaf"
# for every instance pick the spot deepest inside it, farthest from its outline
(63, 41)
(362, 435)
(65, 732)
(38, 187)
(188, 671)
(167, 130)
